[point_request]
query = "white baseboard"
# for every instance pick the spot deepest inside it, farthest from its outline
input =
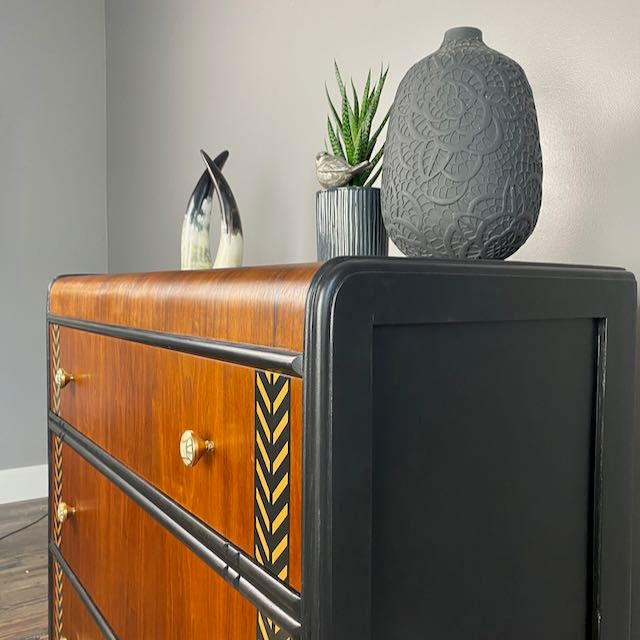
(23, 483)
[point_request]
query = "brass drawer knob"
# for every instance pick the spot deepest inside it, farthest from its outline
(193, 447)
(62, 378)
(64, 511)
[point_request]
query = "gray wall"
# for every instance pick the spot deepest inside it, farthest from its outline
(52, 191)
(249, 75)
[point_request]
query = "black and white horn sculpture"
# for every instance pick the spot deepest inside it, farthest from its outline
(195, 248)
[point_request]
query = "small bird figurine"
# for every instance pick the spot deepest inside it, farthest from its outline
(336, 172)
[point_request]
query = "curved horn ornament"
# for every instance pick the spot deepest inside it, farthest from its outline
(231, 245)
(195, 245)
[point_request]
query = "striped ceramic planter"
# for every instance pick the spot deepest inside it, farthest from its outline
(349, 223)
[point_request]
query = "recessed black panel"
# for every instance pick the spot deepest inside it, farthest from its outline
(482, 480)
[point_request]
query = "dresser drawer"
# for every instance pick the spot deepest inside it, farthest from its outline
(144, 582)
(135, 401)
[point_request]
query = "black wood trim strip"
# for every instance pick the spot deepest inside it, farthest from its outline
(316, 455)
(281, 604)
(97, 616)
(270, 359)
(49, 459)
(598, 478)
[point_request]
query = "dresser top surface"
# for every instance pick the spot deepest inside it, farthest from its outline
(255, 305)
(262, 305)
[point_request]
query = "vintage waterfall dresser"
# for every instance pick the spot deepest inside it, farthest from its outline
(367, 449)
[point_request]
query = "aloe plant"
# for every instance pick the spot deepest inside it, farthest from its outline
(353, 138)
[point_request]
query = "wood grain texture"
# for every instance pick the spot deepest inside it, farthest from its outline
(143, 580)
(23, 572)
(253, 305)
(135, 401)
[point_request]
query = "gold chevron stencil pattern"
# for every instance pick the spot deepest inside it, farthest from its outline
(272, 491)
(55, 365)
(56, 525)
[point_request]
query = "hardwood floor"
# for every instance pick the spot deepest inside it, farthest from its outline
(23, 572)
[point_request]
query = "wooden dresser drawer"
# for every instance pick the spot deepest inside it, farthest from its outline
(144, 581)
(135, 401)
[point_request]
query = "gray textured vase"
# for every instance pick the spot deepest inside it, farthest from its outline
(349, 223)
(462, 169)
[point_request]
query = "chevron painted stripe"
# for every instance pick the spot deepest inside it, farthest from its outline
(56, 527)
(57, 601)
(55, 364)
(57, 442)
(271, 510)
(268, 630)
(57, 488)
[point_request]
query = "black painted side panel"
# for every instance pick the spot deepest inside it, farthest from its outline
(482, 485)
(443, 546)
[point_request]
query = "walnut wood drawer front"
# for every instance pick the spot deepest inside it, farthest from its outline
(135, 401)
(144, 582)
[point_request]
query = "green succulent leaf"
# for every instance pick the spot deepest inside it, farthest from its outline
(375, 97)
(333, 109)
(378, 131)
(336, 147)
(372, 167)
(363, 142)
(343, 93)
(362, 178)
(353, 128)
(376, 159)
(358, 155)
(367, 144)
(372, 180)
(348, 118)
(365, 95)
(356, 106)
(346, 130)
(370, 97)
(358, 181)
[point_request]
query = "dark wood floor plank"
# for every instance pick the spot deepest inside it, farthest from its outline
(23, 572)
(17, 514)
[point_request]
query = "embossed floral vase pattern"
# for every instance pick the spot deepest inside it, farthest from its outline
(462, 173)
